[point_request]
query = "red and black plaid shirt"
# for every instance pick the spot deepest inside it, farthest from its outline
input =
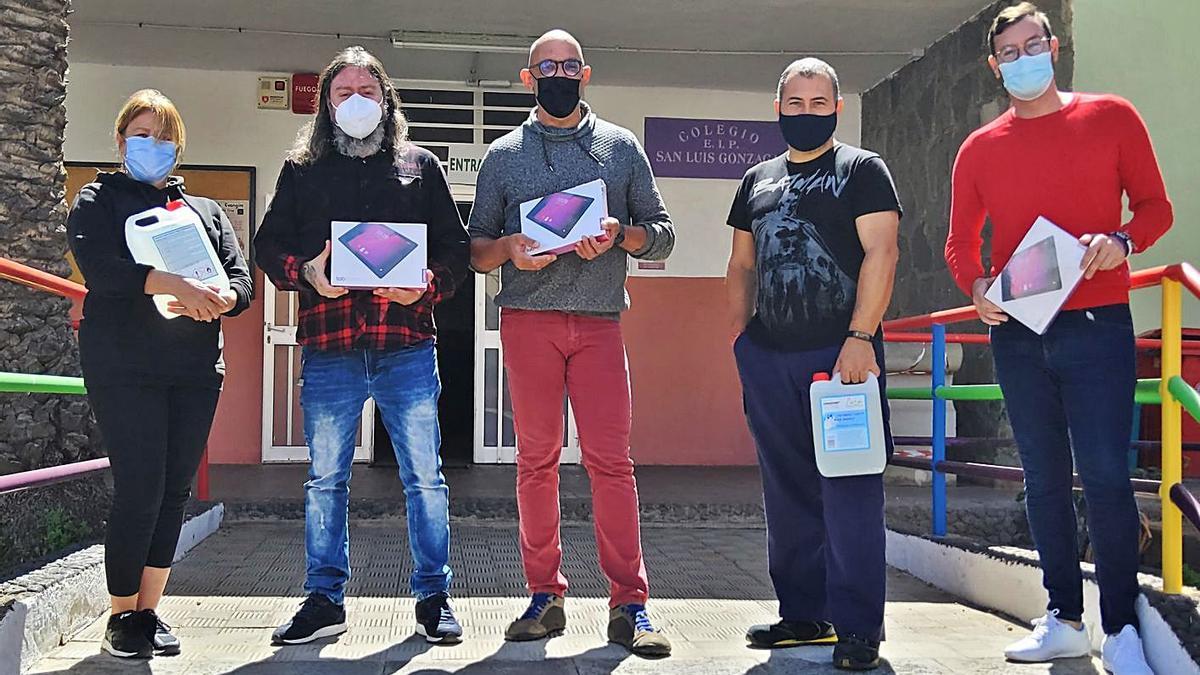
(377, 189)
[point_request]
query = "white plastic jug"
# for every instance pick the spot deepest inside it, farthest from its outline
(847, 422)
(173, 239)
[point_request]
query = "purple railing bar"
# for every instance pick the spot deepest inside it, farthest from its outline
(1008, 473)
(1187, 502)
(24, 480)
(962, 441)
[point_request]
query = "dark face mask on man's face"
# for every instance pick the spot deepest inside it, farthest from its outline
(558, 96)
(807, 132)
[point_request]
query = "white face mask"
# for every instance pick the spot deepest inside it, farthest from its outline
(358, 116)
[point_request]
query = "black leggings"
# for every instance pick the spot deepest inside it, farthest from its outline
(155, 437)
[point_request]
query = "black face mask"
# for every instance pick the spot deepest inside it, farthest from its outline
(807, 132)
(558, 96)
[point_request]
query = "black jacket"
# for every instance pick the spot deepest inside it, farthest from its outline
(123, 339)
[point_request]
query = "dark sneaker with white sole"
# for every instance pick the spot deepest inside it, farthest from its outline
(165, 643)
(436, 622)
(546, 617)
(126, 636)
(791, 634)
(630, 627)
(855, 653)
(319, 617)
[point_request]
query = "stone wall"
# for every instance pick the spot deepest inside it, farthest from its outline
(916, 119)
(35, 333)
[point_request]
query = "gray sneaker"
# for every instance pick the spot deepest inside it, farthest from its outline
(630, 627)
(546, 617)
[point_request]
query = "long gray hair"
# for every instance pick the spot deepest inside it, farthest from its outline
(315, 139)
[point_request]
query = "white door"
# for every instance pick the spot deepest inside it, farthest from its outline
(283, 421)
(495, 437)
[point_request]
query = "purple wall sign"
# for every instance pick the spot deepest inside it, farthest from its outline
(687, 148)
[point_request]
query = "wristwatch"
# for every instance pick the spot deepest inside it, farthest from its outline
(860, 335)
(1124, 238)
(620, 238)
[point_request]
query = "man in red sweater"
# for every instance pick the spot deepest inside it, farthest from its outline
(1069, 157)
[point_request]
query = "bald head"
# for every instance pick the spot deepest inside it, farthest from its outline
(556, 44)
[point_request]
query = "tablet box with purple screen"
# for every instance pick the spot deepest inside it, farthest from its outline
(1039, 276)
(560, 220)
(377, 255)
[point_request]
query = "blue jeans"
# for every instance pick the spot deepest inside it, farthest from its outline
(404, 384)
(825, 536)
(1072, 389)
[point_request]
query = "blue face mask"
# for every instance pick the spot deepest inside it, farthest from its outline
(148, 160)
(1029, 76)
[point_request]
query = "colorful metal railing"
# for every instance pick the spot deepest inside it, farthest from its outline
(20, 383)
(1168, 390)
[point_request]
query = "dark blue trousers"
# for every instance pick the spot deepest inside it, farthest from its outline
(1072, 389)
(825, 536)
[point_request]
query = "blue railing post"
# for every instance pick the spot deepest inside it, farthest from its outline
(937, 380)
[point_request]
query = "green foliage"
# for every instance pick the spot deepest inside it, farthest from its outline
(62, 529)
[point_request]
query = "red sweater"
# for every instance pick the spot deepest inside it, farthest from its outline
(1072, 167)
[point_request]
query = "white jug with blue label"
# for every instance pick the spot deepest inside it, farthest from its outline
(847, 423)
(173, 239)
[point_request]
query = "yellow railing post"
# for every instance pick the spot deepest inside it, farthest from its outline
(1172, 437)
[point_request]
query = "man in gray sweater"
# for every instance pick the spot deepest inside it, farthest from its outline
(560, 330)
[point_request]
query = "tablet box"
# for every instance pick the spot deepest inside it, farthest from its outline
(378, 255)
(1040, 276)
(560, 220)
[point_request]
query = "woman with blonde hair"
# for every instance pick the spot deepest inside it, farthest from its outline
(153, 382)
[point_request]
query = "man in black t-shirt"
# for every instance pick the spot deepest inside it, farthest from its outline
(810, 276)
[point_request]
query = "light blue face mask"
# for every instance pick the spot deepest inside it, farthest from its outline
(147, 159)
(1029, 76)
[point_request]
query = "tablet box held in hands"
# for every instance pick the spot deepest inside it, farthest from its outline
(378, 255)
(560, 220)
(1040, 276)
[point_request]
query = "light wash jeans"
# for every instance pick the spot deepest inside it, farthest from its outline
(404, 384)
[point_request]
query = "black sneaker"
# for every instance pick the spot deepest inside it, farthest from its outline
(791, 634)
(319, 617)
(126, 636)
(436, 622)
(165, 644)
(855, 653)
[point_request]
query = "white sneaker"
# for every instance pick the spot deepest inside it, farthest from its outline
(1123, 654)
(1050, 639)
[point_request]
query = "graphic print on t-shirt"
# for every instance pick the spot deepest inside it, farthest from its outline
(800, 281)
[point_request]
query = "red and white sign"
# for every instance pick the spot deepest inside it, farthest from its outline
(304, 93)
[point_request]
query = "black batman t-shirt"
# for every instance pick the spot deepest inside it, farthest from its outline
(807, 250)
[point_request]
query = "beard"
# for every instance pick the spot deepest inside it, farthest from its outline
(358, 147)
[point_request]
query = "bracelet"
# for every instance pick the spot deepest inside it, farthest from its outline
(620, 238)
(860, 335)
(1124, 238)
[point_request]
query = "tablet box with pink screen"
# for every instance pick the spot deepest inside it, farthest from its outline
(560, 220)
(378, 255)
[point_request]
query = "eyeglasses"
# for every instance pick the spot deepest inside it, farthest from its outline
(1033, 47)
(550, 67)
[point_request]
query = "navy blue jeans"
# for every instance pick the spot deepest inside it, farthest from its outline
(825, 536)
(1072, 390)
(405, 387)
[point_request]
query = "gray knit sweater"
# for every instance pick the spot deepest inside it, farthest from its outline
(535, 160)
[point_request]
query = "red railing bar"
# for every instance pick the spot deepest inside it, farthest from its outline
(14, 482)
(28, 276)
(1149, 344)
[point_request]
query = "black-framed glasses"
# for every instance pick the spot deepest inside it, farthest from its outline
(550, 67)
(1032, 47)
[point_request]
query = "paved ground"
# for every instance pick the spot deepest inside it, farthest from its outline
(708, 585)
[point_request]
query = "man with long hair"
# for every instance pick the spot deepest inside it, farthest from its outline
(354, 162)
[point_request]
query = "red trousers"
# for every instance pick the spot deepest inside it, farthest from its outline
(545, 354)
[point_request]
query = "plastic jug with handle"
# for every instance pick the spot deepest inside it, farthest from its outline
(173, 239)
(847, 423)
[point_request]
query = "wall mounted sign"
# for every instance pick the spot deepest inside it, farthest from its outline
(703, 148)
(304, 93)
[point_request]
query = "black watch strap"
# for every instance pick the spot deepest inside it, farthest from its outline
(620, 238)
(1124, 238)
(860, 335)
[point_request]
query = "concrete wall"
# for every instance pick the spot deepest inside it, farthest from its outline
(917, 119)
(1146, 51)
(678, 317)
